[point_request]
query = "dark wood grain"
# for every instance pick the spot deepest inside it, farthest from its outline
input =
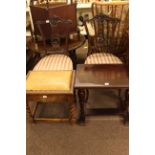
(96, 76)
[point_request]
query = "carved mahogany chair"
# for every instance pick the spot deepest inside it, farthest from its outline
(57, 37)
(118, 10)
(56, 44)
(102, 39)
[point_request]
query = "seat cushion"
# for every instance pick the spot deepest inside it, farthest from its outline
(102, 58)
(54, 62)
(49, 80)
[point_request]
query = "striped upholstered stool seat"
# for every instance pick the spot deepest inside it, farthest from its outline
(102, 58)
(54, 62)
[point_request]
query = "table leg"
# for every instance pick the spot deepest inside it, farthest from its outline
(82, 96)
(126, 109)
(87, 95)
(121, 105)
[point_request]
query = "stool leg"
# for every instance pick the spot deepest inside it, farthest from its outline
(72, 109)
(28, 110)
(75, 101)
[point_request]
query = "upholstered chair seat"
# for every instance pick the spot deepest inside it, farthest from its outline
(102, 58)
(54, 62)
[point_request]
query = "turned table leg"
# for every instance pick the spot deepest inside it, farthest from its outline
(82, 99)
(121, 106)
(126, 109)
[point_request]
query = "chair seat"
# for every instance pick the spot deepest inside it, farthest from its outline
(54, 62)
(102, 58)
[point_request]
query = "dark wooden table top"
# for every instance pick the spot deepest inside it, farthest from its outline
(39, 47)
(102, 76)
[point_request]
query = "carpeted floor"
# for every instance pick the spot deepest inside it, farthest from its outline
(102, 135)
(98, 137)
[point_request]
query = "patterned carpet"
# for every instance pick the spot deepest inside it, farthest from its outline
(106, 136)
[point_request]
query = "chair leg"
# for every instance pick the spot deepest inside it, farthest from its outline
(74, 58)
(72, 109)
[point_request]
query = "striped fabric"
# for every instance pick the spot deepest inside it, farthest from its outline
(102, 58)
(54, 62)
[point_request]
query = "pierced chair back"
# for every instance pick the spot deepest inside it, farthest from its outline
(118, 10)
(102, 34)
(55, 34)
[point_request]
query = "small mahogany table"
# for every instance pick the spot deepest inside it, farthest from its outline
(104, 76)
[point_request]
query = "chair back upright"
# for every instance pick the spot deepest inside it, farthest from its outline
(119, 10)
(101, 32)
(55, 34)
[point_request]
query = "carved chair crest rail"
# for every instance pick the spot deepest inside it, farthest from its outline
(56, 34)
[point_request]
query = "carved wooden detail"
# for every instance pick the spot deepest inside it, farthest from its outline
(58, 34)
(104, 37)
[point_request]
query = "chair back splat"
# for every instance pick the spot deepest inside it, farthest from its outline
(56, 39)
(119, 10)
(102, 37)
